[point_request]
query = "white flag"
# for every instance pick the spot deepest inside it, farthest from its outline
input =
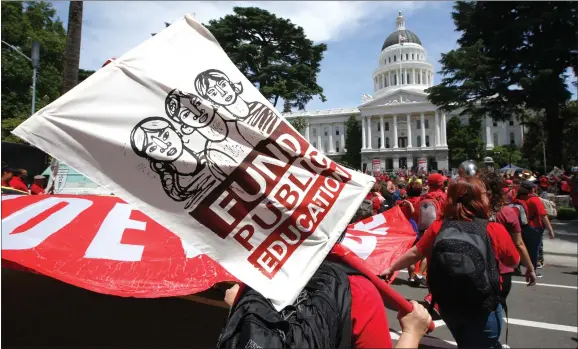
(175, 129)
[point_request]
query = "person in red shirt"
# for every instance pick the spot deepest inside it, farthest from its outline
(37, 187)
(466, 200)
(544, 183)
(17, 180)
(510, 219)
(6, 176)
(537, 220)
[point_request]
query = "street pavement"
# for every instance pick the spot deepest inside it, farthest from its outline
(563, 250)
(543, 316)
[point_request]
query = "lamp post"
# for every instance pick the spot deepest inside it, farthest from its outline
(35, 60)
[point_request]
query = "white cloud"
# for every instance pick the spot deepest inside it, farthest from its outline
(112, 28)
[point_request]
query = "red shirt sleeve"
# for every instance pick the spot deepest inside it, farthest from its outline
(509, 219)
(425, 244)
(504, 247)
(36, 189)
(369, 319)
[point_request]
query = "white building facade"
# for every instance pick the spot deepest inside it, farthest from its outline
(400, 127)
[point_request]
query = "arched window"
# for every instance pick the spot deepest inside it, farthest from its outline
(427, 140)
(496, 139)
(512, 138)
(419, 141)
(387, 142)
(379, 141)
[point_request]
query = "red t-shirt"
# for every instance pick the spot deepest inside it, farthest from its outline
(544, 182)
(35, 189)
(504, 247)
(18, 184)
(414, 200)
(535, 210)
(368, 316)
(509, 218)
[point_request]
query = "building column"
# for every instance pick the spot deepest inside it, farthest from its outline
(307, 133)
(444, 136)
(395, 131)
(437, 129)
(521, 135)
(368, 124)
(331, 145)
(422, 130)
(409, 132)
(363, 139)
(389, 78)
(342, 139)
(489, 138)
(506, 133)
(319, 145)
(382, 134)
(413, 76)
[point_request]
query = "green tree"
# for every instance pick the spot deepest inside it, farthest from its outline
(504, 155)
(72, 49)
(353, 143)
(512, 56)
(464, 141)
(273, 53)
(299, 123)
(23, 23)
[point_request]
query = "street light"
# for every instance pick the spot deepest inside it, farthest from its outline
(35, 60)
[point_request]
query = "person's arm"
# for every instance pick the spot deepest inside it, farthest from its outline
(525, 258)
(507, 252)
(413, 326)
(548, 225)
(410, 206)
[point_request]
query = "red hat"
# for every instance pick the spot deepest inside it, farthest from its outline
(435, 179)
(403, 192)
(509, 182)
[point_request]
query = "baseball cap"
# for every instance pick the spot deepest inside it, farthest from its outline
(436, 179)
(488, 160)
(528, 184)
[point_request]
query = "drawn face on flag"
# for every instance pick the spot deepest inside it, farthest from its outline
(156, 139)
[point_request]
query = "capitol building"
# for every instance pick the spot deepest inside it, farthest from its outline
(400, 127)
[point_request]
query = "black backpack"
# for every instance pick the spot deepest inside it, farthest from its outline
(319, 318)
(463, 273)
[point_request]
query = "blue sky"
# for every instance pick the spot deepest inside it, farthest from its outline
(353, 31)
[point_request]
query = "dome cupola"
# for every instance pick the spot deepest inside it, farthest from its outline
(400, 35)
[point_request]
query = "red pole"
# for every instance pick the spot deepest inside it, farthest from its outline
(386, 291)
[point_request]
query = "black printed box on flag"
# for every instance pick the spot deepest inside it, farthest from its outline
(175, 129)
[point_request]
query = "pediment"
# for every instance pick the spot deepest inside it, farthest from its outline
(395, 98)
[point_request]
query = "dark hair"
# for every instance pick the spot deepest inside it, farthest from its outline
(414, 189)
(494, 185)
(523, 192)
(466, 201)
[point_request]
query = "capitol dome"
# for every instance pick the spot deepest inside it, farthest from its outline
(393, 38)
(402, 63)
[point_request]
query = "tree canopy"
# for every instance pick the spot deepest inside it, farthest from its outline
(23, 23)
(513, 56)
(273, 53)
(352, 157)
(299, 123)
(464, 142)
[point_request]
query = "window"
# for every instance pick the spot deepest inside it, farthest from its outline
(387, 142)
(379, 126)
(379, 142)
(419, 141)
(419, 78)
(512, 138)
(387, 126)
(511, 122)
(495, 124)
(496, 139)
(389, 60)
(406, 56)
(314, 132)
(325, 147)
(337, 146)
(394, 79)
(394, 58)
(407, 79)
(326, 131)
(337, 130)
(426, 123)
(315, 145)
(427, 140)
(418, 124)
(413, 56)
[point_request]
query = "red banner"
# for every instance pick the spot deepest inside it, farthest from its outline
(101, 244)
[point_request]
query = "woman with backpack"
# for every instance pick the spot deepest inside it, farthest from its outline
(509, 217)
(463, 251)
